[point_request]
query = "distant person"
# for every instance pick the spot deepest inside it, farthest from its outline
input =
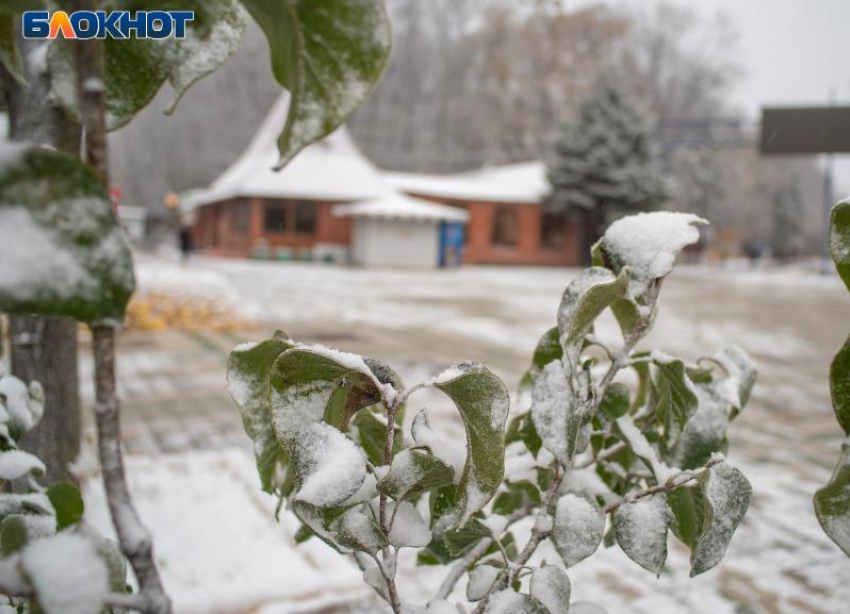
(185, 243)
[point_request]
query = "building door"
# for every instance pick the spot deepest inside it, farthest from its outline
(451, 244)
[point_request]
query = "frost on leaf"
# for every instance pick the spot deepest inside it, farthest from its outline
(641, 528)
(832, 502)
(727, 496)
(135, 70)
(413, 472)
(328, 54)
(483, 402)
(551, 587)
(649, 244)
(62, 251)
(357, 529)
(67, 574)
(248, 372)
(557, 414)
(481, 580)
(328, 466)
(511, 602)
(578, 529)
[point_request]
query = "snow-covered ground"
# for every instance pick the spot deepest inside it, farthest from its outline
(222, 552)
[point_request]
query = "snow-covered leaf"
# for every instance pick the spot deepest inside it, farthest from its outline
(649, 244)
(587, 296)
(551, 587)
(483, 402)
(409, 529)
(481, 579)
(357, 529)
(440, 606)
(511, 602)
(832, 502)
(705, 433)
(673, 397)
(641, 528)
(328, 54)
(727, 494)
(313, 519)
(15, 464)
(312, 384)
(136, 69)
(557, 413)
(626, 431)
(21, 406)
(248, 372)
(578, 528)
(741, 375)
(67, 574)
(62, 251)
(413, 472)
(328, 468)
(13, 534)
(839, 239)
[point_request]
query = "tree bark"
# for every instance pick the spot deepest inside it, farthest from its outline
(44, 349)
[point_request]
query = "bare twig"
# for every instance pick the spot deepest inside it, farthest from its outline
(134, 539)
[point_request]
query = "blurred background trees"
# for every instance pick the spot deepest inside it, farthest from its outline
(473, 83)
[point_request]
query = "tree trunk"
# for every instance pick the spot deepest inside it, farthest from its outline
(42, 348)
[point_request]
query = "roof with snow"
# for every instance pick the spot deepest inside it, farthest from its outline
(524, 182)
(398, 206)
(332, 169)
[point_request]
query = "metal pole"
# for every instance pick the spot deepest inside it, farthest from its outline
(828, 198)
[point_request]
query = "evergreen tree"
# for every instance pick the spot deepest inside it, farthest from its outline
(603, 165)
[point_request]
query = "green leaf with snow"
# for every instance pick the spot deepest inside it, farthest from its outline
(615, 403)
(356, 529)
(136, 69)
(839, 239)
(67, 502)
(483, 402)
(62, 251)
(248, 370)
(460, 539)
(727, 495)
(481, 580)
(370, 431)
(548, 350)
(649, 245)
(578, 528)
(705, 433)
(641, 529)
(832, 502)
(551, 587)
(413, 472)
(673, 396)
(626, 431)
(558, 413)
(328, 54)
(509, 601)
(21, 408)
(14, 534)
(17, 464)
(584, 300)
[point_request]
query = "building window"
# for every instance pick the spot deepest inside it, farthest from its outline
(239, 216)
(505, 226)
(553, 230)
(305, 218)
(275, 218)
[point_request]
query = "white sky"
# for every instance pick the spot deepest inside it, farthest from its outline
(793, 52)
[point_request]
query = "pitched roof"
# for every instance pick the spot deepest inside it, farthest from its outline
(332, 169)
(399, 206)
(524, 182)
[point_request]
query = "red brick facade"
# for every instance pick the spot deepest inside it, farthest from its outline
(498, 233)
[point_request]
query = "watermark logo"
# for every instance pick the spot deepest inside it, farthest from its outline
(100, 24)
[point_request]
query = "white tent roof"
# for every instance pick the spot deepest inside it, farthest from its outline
(524, 182)
(402, 207)
(332, 169)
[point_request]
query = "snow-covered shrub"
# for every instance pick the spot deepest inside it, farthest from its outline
(330, 442)
(47, 557)
(832, 502)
